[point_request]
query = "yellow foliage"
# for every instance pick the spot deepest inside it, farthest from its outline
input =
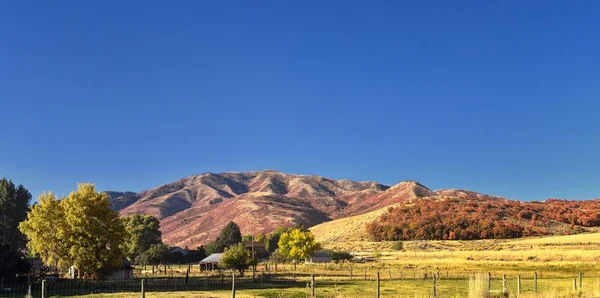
(298, 245)
(79, 230)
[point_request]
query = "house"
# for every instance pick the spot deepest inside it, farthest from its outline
(39, 269)
(179, 250)
(211, 262)
(320, 256)
(125, 272)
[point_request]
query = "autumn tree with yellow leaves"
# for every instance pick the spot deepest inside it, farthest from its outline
(79, 230)
(297, 245)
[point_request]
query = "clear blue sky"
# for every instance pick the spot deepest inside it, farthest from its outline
(500, 97)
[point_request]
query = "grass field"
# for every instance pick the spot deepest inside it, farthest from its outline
(408, 273)
(400, 288)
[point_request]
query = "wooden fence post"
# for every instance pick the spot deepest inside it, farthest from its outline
(143, 289)
(233, 285)
(365, 274)
(312, 285)
(535, 288)
(489, 282)
(378, 286)
(351, 273)
(580, 281)
(43, 288)
(574, 284)
(434, 286)
(518, 285)
(187, 276)
(504, 288)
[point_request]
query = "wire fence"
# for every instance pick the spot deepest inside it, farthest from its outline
(66, 287)
(433, 286)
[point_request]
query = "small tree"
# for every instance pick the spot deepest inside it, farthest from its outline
(272, 240)
(340, 256)
(230, 235)
(141, 231)
(14, 205)
(298, 245)
(237, 257)
(213, 247)
(398, 245)
(277, 258)
(260, 237)
(156, 254)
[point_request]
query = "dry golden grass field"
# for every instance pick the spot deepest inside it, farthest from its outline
(557, 261)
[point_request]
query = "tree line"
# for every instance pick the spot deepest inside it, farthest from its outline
(81, 230)
(473, 218)
(282, 245)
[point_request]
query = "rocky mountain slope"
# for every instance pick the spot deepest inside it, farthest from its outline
(194, 209)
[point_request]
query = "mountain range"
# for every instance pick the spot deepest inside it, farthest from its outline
(193, 210)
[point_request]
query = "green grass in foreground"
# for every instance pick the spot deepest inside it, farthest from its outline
(560, 287)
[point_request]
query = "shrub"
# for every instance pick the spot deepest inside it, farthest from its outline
(338, 256)
(398, 245)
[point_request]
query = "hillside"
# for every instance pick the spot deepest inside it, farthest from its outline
(462, 215)
(194, 209)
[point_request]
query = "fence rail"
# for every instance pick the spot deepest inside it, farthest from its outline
(80, 287)
(303, 281)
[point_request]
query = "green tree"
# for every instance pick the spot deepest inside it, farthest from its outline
(277, 258)
(141, 231)
(230, 235)
(12, 263)
(214, 247)
(79, 230)
(237, 257)
(14, 204)
(298, 245)
(261, 237)
(272, 240)
(156, 254)
(247, 238)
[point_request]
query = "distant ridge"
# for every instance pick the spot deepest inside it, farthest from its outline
(193, 210)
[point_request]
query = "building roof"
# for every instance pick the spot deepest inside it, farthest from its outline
(214, 258)
(179, 250)
(321, 254)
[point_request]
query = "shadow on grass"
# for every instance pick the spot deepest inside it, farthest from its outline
(65, 288)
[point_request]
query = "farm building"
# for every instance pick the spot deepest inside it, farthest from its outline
(179, 250)
(319, 257)
(211, 262)
(125, 272)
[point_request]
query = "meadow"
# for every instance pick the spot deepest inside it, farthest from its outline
(557, 261)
